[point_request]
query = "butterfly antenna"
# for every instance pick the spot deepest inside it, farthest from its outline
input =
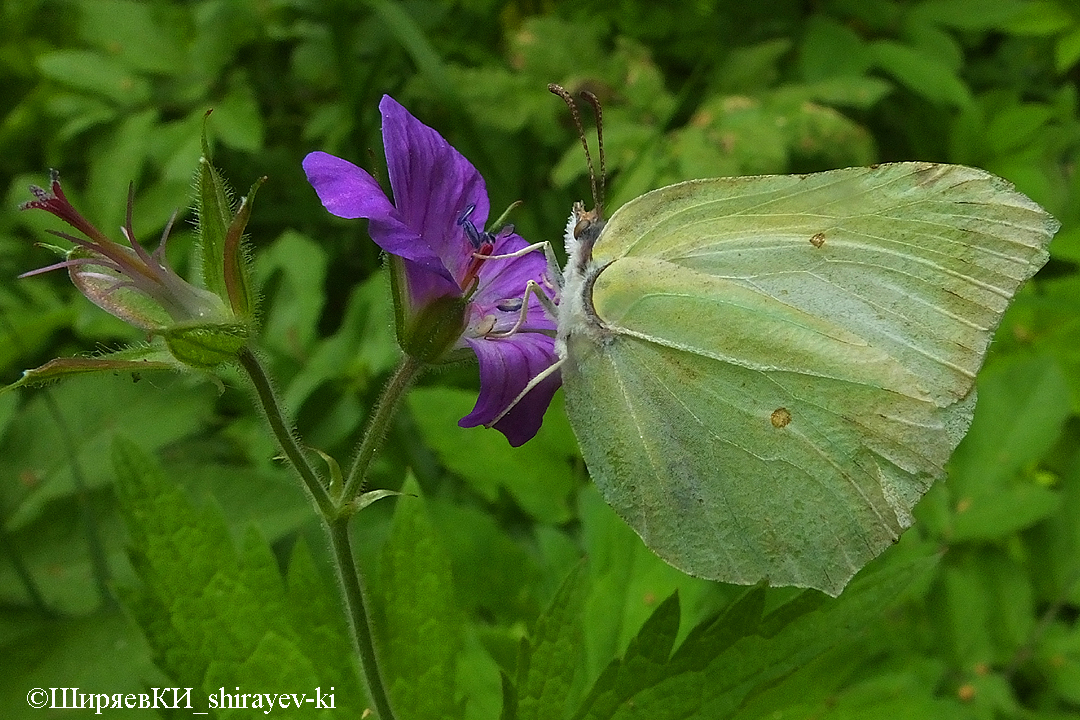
(569, 100)
(595, 102)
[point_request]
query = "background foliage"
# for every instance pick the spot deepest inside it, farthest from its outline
(479, 587)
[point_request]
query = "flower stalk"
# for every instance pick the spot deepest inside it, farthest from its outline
(334, 512)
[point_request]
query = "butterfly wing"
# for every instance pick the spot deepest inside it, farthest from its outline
(789, 361)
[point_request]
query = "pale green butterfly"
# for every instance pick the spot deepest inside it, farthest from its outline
(765, 374)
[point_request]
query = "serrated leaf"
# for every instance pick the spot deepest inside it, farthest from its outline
(643, 664)
(551, 654)
(628, 582)
(218, 618)
(730, 660)
(421, 626)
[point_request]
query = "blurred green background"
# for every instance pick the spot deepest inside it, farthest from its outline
(114, 91)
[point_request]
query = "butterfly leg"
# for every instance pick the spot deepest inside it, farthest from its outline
(547, 372)
(532, 288)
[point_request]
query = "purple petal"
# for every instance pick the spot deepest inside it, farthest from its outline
(506, 367)
(433, 185)
(350, 192)
(346, 190)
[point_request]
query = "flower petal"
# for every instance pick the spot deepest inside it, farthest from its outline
(433, 185)
(506, 367)
(346, 190)
(350, 192)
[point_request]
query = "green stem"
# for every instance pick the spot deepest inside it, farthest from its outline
(351, 584)
(282, 430)
(331, 510)
(378, 423)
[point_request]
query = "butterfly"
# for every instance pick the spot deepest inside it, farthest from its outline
(765, 374)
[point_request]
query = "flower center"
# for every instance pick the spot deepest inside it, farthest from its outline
(483, 244)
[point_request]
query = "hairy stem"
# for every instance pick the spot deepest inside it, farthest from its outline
(352, 586)
(279, 425)
(379, 422)
(333, 510)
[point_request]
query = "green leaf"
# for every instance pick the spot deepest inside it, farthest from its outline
(830, 49)
(644, 662)
(237, 118)
(998, 514)
(217, 618)
(1041, 17)
(1021, 409)
(116, 162)
(28, 326)
(93, 73)
(59, 652)
(420, 629)
(361, 351)
(920, 73)
(970, 15)
(408, 34)
(291, 271)
(496, 575)
(537, 475)
(550, 655)
(1067, 50)
(989, 606)
(1015, 126)
(70, 430)
(733, 658)
(628, 582)
(145, 37)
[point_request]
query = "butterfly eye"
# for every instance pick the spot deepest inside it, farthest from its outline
(582, 225)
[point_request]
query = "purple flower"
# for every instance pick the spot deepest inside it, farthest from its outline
(433, 228)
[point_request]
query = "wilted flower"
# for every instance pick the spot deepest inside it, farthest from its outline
(193, 327)
(136, 286)
(453, 290)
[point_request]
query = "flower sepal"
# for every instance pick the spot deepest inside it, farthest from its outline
(430, 332)
(226, 267)
(135, 359)
(205, 346)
